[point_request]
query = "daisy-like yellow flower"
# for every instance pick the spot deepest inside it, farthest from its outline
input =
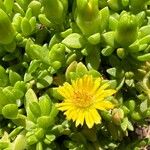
(83, 98)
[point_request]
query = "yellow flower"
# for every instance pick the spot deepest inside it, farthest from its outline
(82, 98)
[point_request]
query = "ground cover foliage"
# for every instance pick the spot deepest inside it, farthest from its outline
(74, 74)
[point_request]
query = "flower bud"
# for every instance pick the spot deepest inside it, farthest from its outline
(117, 115)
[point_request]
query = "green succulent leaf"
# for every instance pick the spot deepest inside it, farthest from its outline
(74, 40)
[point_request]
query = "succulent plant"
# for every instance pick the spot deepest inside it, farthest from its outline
(74, 74)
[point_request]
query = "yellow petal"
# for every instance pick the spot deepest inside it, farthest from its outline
(79, 84)
(109, 92)
(88, 119)
(98, 94)
(64, 108)
(88, 82)
(97, 83)
(95, 115)
(66, 90)
(68, 87)
(103, 94)
(80, 119)
(63, 104)
(103, 105)
(71, 114)
(63, 92)
(74, 84)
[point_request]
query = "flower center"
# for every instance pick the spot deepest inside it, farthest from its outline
(82, 98)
